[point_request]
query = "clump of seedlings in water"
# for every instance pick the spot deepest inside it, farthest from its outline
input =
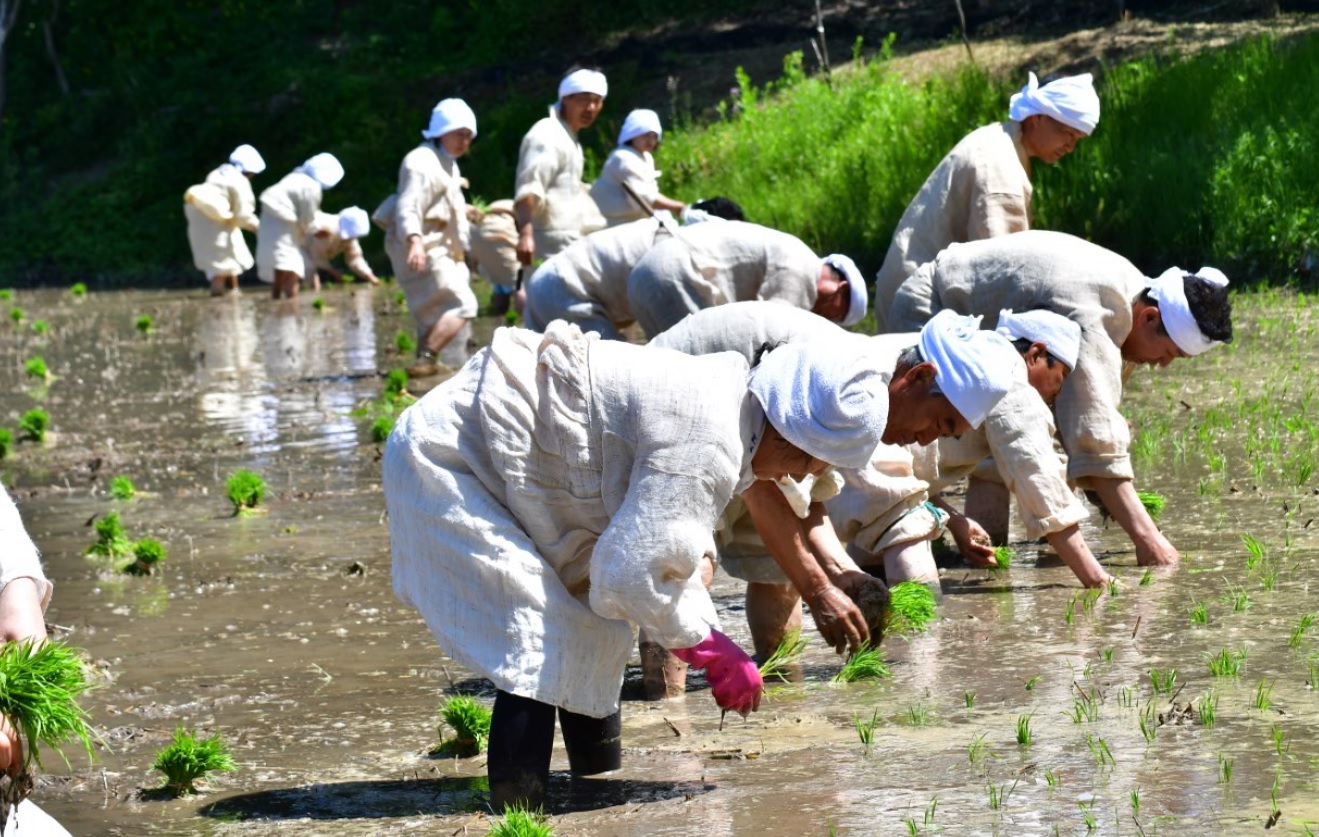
(1224, 769)
(78, 290)
(36, 367)
(405, 343)
(1298, 633)
(785, 656)
(1227, 664)
(1099, 749)
(1003, 558)
(40, 327)
(1149, 722)
(865, 664)
(470, 722)
(865, 730)
(1255, 552)
(1263, 695)
(1199, 613)
(912, 607)
(396, 382)
(998, 795)
(977, 750)
(16, 314)
(41, 686)
(381, 428)
(1023, 730)
(6, 294)
(1147, 578)
(189, 759)
(144, 324)
(519, 822)
(1163, 680)
(246, 490)
(1206, 708)
(34, 423)
(147, 554)
(917, 715)
(318, 304)
(1153, 504)
(970, 698)
(111, 540)
(6, 442)
(122, 488)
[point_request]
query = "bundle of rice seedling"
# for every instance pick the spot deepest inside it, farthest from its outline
(865, 664)
(188, 759)
(470, 722)
(1153, 503)
(912, 608)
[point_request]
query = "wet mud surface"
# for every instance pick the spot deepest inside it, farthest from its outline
(280, 630)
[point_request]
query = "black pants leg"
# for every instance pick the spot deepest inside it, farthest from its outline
(521, 741)
(595, 745)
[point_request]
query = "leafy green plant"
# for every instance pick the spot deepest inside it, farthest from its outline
(1199, 613)
(1255, 551)
(1263, 695)
(188, 759)
(396, 382)
(1147, 578)
(1099, 749)
(912, 607)
(1163, 680)
(144, 324)
(6, 294)
(318, 304)
(785, 656)
(246, 490)
(1023, 730)
(1298, 633)
(1149, 722)
(381, 428)
(34, 423)
(1153, 503)
(1003, 558)
(78, 290)
(41, 686)
(865, 730)
(470, 722)
(519, 822)
(1206, 708)
(16, 314)
(147, 554)
(6, 442)
(977, 750)
(111, 540)
(1224, 769)
(122, 488)
(1032, 683)
(40, 327)
(998, 795)
(917, 715)
(405, 343)
(1227, 664)
(970, 698)
(865, 664)
(35, 367)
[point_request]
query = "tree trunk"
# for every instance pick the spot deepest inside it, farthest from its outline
(48, 30)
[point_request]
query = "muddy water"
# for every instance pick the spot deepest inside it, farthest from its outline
(280, 630)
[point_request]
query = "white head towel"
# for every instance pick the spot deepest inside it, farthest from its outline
(324, 168)
(247, 159)
(856, 286)
(638, 123)
(1169, 290)
(353, 223)
(448, 116)
(975, 368)
(583, 81)
(1061, 335)
(1071, 100)
(825, 398)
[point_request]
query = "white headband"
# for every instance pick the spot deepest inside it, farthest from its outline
(448, 116)
(638, 123)
(1169, 290)
(856, 286)
(1071, 100)
(247, 159)
(974, 368)
(1061, 335)
(583, 81)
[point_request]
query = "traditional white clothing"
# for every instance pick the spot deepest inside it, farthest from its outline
(1084, 282)
(981, 189)
(586, 284)
(288, 210)
(322, 250)
(495, 244)
(715, 264)
(19, 557)
(218, 210)
(625, 164)
(550, 168)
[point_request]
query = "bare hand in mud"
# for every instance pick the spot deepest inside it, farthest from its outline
(1155, 550)
(838, 619)
(972, 541)
(870, 595)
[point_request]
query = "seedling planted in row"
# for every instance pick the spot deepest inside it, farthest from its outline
(147, 554)
(34, 423)
(122, 488)
(144, 324)
(865, 730)
(470, 722)
(1299, 632)
(36, 368)
(246, 490)
(865, 664)
(1227, 663)
(519, 822)
(405, 343)
(911, 608)
(111, 540)
(381, 428)
(188, 759)
(1023, 730)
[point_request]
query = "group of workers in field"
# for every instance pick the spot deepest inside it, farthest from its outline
(567, 489)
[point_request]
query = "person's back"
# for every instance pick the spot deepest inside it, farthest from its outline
(635, 168)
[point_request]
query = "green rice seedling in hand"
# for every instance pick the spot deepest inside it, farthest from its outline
(147, 554)
(1003, 558)
(40, 327)
(111, 541)
(912, 607)
(381, 428)
(470, 722)
(318, 304)
(16, 314)
(246, 490)
(519, 822)
(1153, 504)
(39, 690)
(785, 656)
(6, 441)
(122, 488)
(78, 290)
(405, 343)
(36, 368)
(865, 664)
(34, 423)
(188, 759)
(144, 324)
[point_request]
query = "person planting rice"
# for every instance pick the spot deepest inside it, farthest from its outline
(335, 235)
(561, 489)
(218, 210)
(633, 163)
(494, 250)
(551, 202)
(715, 264)
(586, 284)
(288, 210)
(881, 511)
(1124, 318)
(982, 188)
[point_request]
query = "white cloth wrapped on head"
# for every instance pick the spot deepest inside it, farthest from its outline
(1059, 334)
(825, 398)
(324, 168)
(975, 368)
(353, 223)
(1071, 100)
(584, 81)
(639, 123)
(247, 159)
(856, 285)
(1169, 290)
(448, 116)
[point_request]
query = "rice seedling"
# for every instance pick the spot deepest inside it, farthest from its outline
(6, 442)
(1099, 749)
(401, 300)
(318, 304)
(911, 608)
(40, 327)
(16, 314)
(1298, 633)
(1149, 722)
(912, 828)
(865, 664)
(1199, 613)
(381, 428)
(1224, 769)
(36, 367)
(1280, 744)
(78, 290)
(1052, 779)
(1163, 680)
(1153, 504)
(1237, 597)
(246, 489)
(1273, 797)
(1106, 654)
(188, 759)
(1088, 599)
(1126, 697)
(1023, 730)
(6, 294)
(1313, 665)
(1255, 552)
(1088, 817)
(785, 657)
(970, 698)
(147, 554)
(519, 822)
(1032, 683)
(977, 750)
(470, 722)
(1206, 708)
(1227, 663)
(34, 423)
(1147, 578)
(930, 811)
(144, 324)
(865, 730)
(1003, 558)
(1263, 695)
(122, 488)
(998, 795)
(1069, 611)
(396, 382)
(917, 715)
(1113, 587)
(405, 343)
(1135, 802)
(1083, 709)
(111, 540)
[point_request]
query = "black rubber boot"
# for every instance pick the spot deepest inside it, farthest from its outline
(521, 741)
(595, 745)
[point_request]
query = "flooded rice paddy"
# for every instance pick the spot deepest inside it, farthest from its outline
(280, 630)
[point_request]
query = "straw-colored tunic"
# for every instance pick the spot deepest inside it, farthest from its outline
(495, 245)
(625, 164)
(218, 210)
(586, 284)
(550, 166)
(714, 264)
(1090, 285)
(558, 491)
(323, 250)
(288, 210)
(982, 189)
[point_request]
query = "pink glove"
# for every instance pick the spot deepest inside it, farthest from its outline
(734, 678)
